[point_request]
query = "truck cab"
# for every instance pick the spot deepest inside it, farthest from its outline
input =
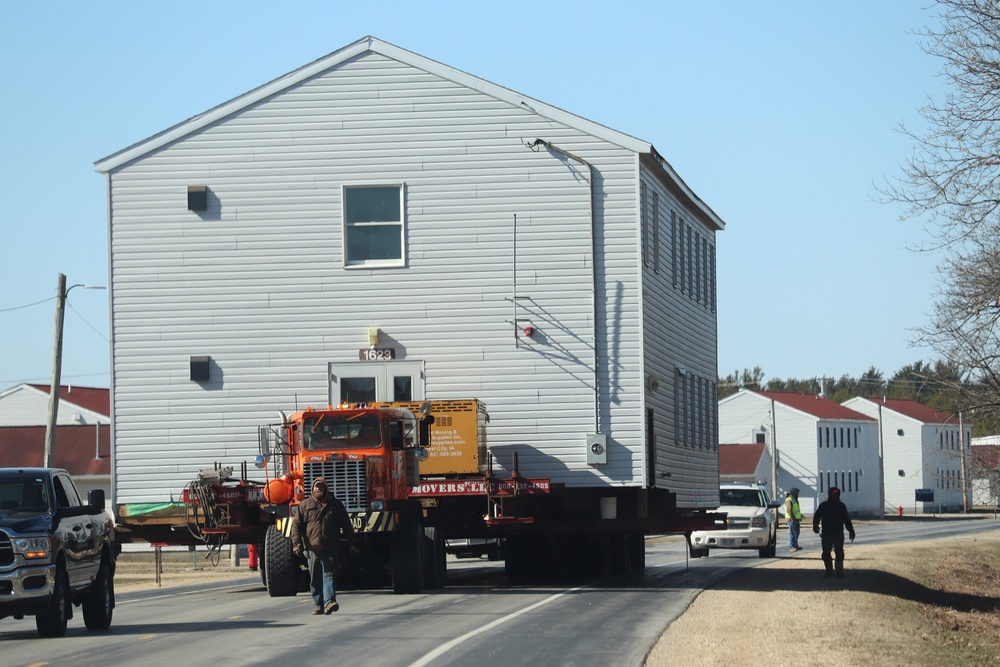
(368, 455)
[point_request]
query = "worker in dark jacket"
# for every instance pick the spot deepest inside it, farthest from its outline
(832, 515)
(316, 531)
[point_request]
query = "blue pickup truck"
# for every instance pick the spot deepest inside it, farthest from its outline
(56, 551)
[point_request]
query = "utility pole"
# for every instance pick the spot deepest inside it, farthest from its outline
(50, 427)
(774, 454)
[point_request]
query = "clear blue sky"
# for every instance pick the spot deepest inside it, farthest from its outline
(780, 115)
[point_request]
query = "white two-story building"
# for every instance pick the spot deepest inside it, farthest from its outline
(817, 444)
(923, 454)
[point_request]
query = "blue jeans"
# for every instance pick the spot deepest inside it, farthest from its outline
(793, 533)
(322, 576)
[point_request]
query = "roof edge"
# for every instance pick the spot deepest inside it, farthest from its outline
(369, 43)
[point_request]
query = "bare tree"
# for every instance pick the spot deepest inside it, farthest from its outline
(953, 181)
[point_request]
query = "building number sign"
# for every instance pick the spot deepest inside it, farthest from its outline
(377, 354)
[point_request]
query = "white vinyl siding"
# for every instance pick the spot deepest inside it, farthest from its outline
(255, 282)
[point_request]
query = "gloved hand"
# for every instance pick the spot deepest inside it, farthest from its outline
(816, 530)
(297, 549)
(352, 550)
(852, 535)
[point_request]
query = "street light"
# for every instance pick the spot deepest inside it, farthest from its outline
(50, 428)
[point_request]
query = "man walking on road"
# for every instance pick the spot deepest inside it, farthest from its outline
(793, 514)
(832, 514)
(316, 530)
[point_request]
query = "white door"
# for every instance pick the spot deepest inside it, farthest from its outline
(366, 382)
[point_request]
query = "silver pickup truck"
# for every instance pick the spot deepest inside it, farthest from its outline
(56, 551)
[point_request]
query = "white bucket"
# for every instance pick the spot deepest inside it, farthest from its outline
(609, 508)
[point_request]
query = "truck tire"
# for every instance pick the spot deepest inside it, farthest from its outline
(435, 563)
(771, 549)
(52, 621)
(406, 553)
(262, 565)
(282, 565)
(98, 605)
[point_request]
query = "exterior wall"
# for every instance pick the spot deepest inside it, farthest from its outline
(680, 332)
(257, 282)
(848, 459)
(801, 459)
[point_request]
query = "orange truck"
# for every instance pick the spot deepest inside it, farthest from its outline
(412, 475)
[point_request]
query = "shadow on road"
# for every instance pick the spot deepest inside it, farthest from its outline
(856, 580)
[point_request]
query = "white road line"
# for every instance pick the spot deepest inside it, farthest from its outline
(444, 648)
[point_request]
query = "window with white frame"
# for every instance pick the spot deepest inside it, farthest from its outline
(373, 225)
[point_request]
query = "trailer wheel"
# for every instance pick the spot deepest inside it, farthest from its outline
(621, 558)
(407, 558)
(435, 563)
(636, 551)
(518, 561)
(281, 564)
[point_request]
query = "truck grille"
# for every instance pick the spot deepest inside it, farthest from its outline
(346, 479)
(6, 549)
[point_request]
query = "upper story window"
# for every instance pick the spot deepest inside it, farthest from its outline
(373, 225)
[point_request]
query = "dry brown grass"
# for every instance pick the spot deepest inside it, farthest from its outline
(926, 604)
(137, 570)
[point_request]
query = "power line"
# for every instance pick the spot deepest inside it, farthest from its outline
(27, 305)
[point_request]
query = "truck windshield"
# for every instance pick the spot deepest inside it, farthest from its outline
(342, 432)
(23, 494)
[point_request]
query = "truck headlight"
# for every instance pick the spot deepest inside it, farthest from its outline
(31, 547)
(758, 522)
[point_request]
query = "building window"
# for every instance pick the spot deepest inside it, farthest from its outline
(373, 225)
(673, 247)
(655, 226)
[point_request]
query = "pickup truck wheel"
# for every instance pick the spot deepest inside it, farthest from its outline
(98, 606)
(52, 621)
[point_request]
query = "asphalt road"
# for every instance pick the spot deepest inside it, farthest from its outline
(477, 619)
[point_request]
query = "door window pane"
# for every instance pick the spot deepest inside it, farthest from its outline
(402, 388)
(357, 390)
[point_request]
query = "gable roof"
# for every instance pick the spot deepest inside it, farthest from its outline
(986, 457)
(816, 406)
(373, 45)
(94, 399)
(915, 410)
(740, 459)
(75, 449)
